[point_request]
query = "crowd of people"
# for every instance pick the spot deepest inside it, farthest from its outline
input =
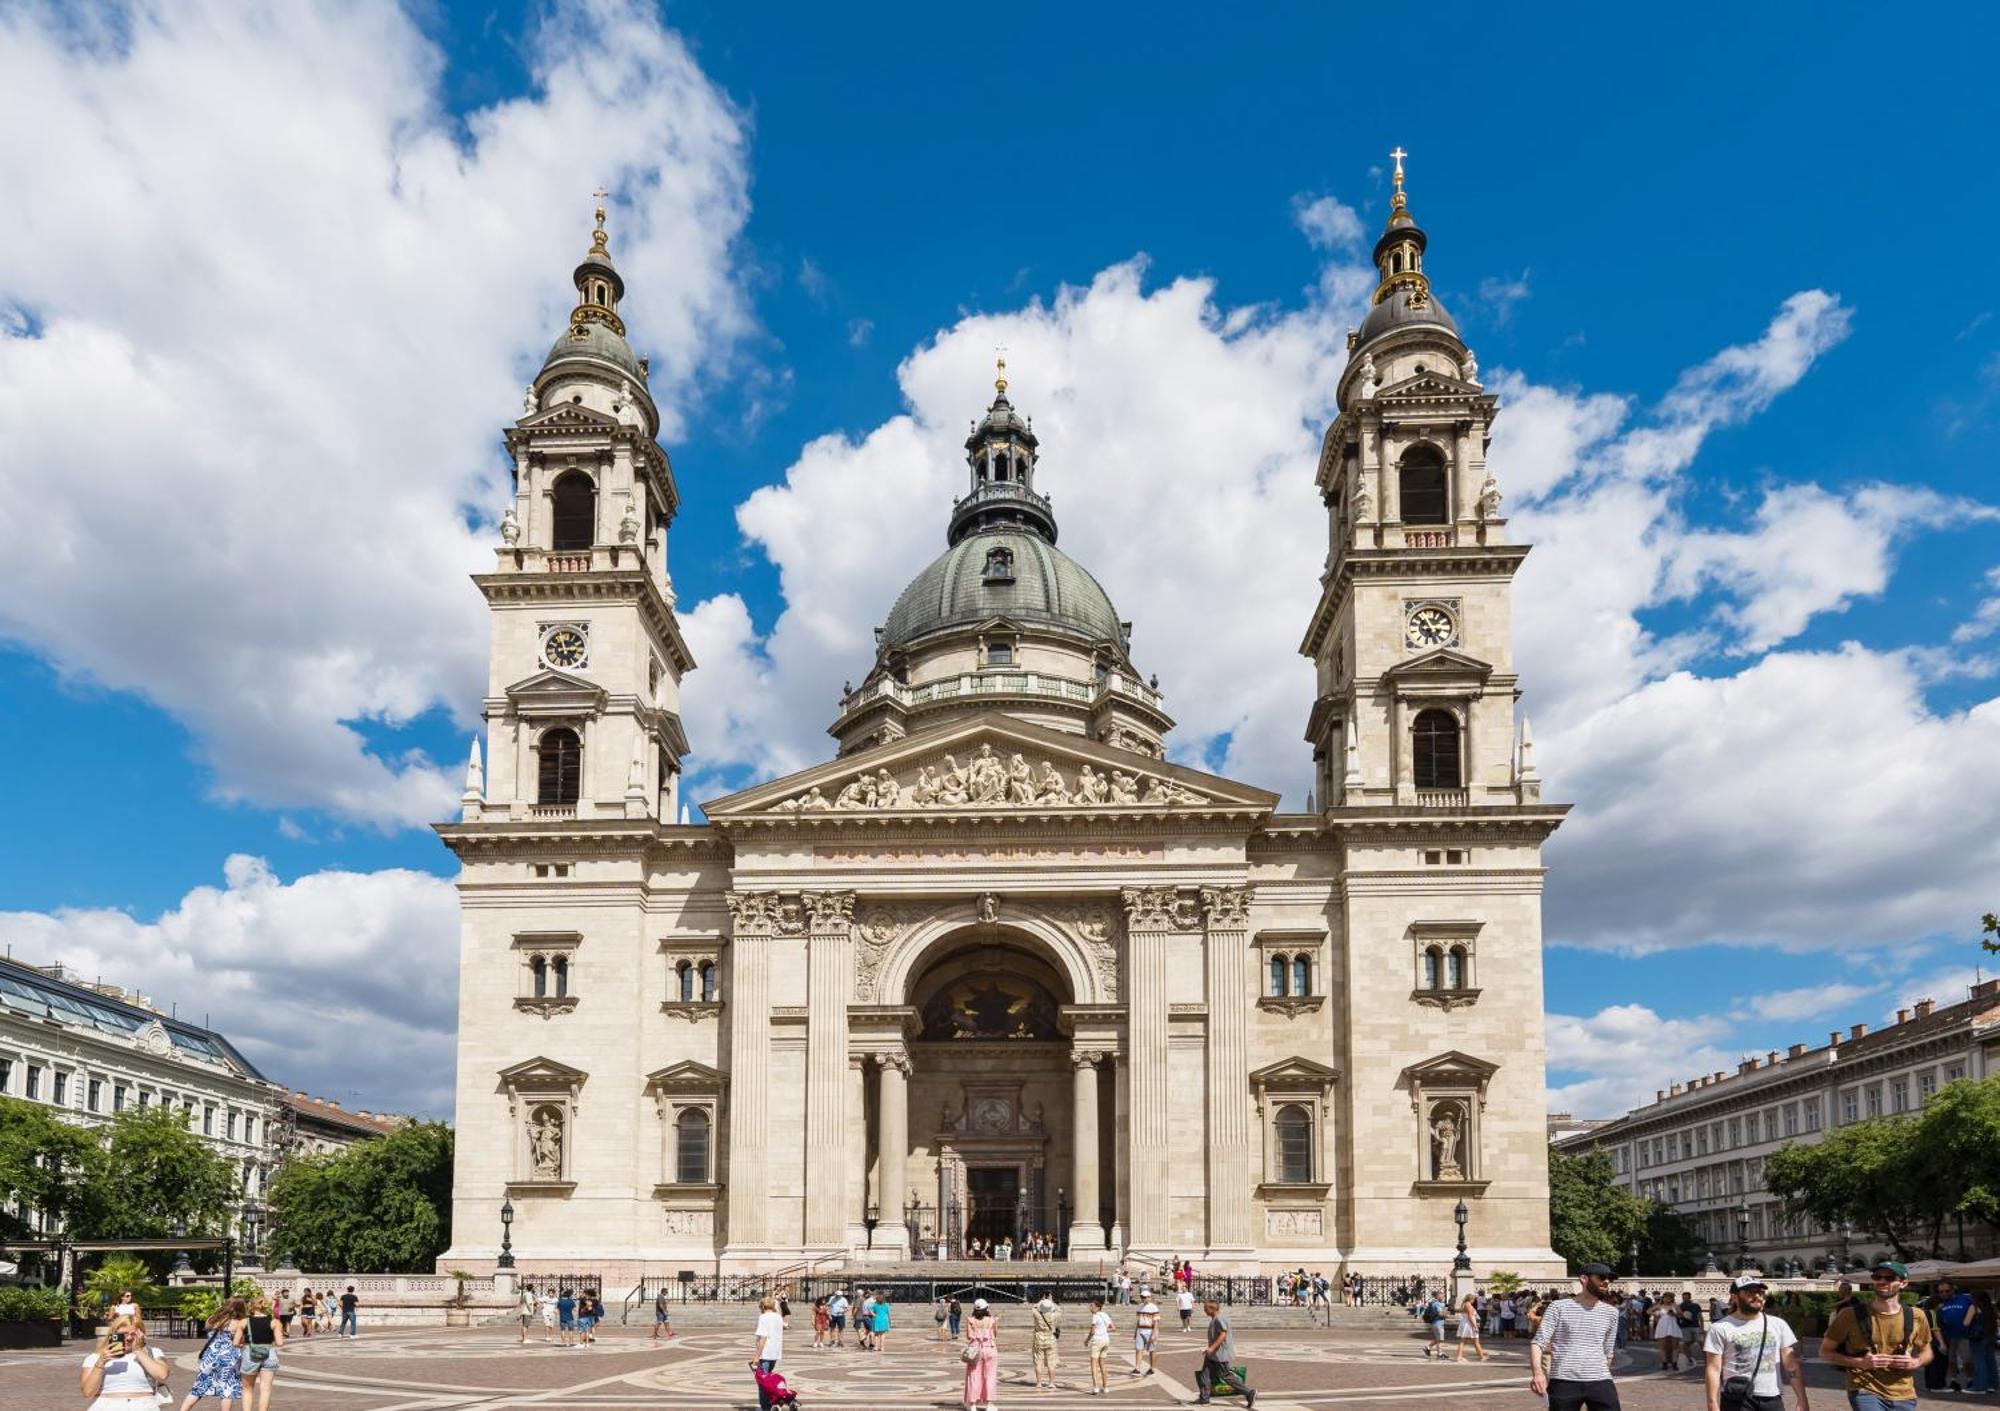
(1035, 1245)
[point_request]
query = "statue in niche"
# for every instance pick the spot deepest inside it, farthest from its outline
(545, 1138)
(1445, 1163)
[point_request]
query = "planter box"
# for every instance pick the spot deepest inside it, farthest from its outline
(42, 1333)
(457, 1317)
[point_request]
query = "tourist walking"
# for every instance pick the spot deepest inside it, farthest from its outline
(1184, 1297)
(821, 1324)
(1954, 1307)
(954, 1314)
(124, 1373)
(864, 1322)
(525, 1304)
(1434, 1316)
(1098, 1346)
(588, 1311)
(547, 1307)
(1667, 1333)
(1218, 1360)
(1744, 1350)
(770, 1348)
(1880, 1344)
(982, 1358)
(350, 1322)
(940, 1315)
(308, 1311)
(878, 1324)
(1145, 1333)
(221, 1374)
(836, 1315)
(1468, 1329)
(1045, 1320)
(259, 1336)
(1570, 1356)
(663, 1315)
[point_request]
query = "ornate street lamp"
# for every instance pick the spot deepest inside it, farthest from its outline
(1633, 1255)
(870, 1218)
(1743, 1237)
(506, 1259)
(181, 1266)
(1462, 1264)
(1708, 1268)
(1846, 1232)
(250, 1257)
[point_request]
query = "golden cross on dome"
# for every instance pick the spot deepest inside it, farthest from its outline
(1399, 154)
(1000, 368)
(600, 193)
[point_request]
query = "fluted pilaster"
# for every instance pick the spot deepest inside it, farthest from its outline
(1152, 916)
(754, 919)
(829, 980)
(1226, 920)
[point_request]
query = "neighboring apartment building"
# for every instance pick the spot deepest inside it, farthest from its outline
(1700, 1145)
(91, 1050)
(320, 1127)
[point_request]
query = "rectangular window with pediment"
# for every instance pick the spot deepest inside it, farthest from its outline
(542, 1098)
(1292, 1099)
(1448, 1095)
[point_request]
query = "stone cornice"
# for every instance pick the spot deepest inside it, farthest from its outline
(537, 839)
(1398, 822)
(623, 587)
(1462, 561)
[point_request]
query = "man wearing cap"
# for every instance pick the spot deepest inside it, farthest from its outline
(1744, 1351)
(1145, 1334)
(1572, 1351)
(1881, 1343)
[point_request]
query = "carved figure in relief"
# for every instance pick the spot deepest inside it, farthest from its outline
(1489, 499)
(888, 794)
(989, 908)
(952, 786)
(1124, 787)
(1444, 1146)
(924, 792)
(1020, 781)
(1360, 499)
(988, 781)
(545, 1144)
(814, 801)
(1090, 787)
(1049, 787)
(859, 794)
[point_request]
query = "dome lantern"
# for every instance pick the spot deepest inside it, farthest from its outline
(1000, 459)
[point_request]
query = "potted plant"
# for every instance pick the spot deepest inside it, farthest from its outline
(30, 1317)
(458, 1313)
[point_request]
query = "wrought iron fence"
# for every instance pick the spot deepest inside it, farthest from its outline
(1402, 1290)
(953, 1231)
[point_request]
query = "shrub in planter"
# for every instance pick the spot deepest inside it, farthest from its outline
(30, 1317)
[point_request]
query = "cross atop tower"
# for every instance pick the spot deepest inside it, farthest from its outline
(1000, 369)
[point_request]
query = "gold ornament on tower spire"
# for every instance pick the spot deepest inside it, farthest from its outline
(598, 237)
(1000, 370)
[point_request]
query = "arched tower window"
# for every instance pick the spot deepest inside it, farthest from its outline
(691, 1147)
(1277, 976)
(1293, 1130)
(687, 977)
(1454, 968)
(1434, 750)
(1421, 484)
(573, 502)
(708, 991)
(1302, 975)
(1432, 957)
(540, 968)
(559, 968)
(999, 566)
(560, 766)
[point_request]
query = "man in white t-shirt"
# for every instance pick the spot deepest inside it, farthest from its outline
(770, 1345)
(547, 1302)
(1751, 1344)
(1145, 1333)
(1185, 1300)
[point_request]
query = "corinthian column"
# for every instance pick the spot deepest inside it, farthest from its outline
(1152, 914)
(891, 1232)
(1086, 1231)
(855, 1144)
(1226, 919)
(829, 972)
(753, 918)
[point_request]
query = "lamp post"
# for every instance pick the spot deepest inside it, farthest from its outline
(1633, 1255)
(1463, 1263)
(250, 1255)
(1846, 1233)
(1743, 1237)
(506, 1259)
(1708, 1263)
(869, 1220)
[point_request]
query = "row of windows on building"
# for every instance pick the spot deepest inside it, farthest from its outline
(1790, 1119)
(40, 1083)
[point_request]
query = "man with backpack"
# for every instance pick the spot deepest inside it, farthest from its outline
(1433, 1316)
(1744, 1351)
(1881, 1343)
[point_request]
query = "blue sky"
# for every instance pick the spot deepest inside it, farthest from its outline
(1756, 653)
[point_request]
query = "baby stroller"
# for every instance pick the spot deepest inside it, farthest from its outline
(772, 1385)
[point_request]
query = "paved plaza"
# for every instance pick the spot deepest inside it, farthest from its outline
(437, 1369)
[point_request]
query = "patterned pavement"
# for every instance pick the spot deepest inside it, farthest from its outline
(485, 1369)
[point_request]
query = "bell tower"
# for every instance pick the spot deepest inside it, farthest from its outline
(1412, 632)
(582, 707)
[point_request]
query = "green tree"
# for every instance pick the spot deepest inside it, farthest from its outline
(160, 1176)
(1591, 1219)
(1990, 932)
(382, 1206)
(48, 1166)
(1670, 1244)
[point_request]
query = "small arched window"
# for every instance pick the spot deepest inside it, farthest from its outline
(691, 1147)
(999, 566)
(540, 969)
(686, 973)
(559, 759)
(1421, 485)
(560, 967)
(708, 990)
(1302, 975)
(573, 505)
(1277, 976)
(1293, 1133)
(1433, 958)
(1454, 969)
(1434, 752)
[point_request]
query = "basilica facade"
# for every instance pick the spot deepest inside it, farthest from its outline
(1000, 966)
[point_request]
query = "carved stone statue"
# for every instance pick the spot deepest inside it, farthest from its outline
(951, 785)
(859, 794)
(1489, 499)
(814, 801)
(924, 792)
(528, 401)
(1369, 386)
(985, 777)
(628, 526)
(1090, 786)
(510, 528)
(1124, 787)
(1360, 499)
(887, 793)
(1020, 781)
(1472, 367)
(545, 1138)
(1445, 1164)
(989, 908)
(1049, 786)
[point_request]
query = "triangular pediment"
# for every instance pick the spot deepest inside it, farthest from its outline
(568, 416)
(687, 1076)
(1452, 1064)
(550, 685)
(1429, 384)
(989, 763)
(1440, 661)
(1294, 1072)
(541, 1074)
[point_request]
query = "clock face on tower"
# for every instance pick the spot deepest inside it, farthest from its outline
(1430, 627)
(565, 647)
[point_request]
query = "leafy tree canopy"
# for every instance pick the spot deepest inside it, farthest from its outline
(382, 1206)
(1591, 1219)
(49, 1166)
(163, 1178)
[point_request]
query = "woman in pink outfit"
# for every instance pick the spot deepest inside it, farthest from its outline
(982, 1372)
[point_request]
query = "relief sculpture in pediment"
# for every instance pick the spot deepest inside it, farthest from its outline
(985, 780)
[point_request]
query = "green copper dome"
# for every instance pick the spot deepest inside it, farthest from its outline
(1035, 583)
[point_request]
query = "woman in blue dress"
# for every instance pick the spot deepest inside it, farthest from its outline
(221, 1367)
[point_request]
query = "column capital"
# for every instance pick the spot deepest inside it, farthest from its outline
(1226, 908)
(896, 1059)
(1088, 1057)
(765, 913)
(830, 913)
(1159, 908)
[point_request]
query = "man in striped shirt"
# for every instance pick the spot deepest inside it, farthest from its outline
(1572, 1350)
